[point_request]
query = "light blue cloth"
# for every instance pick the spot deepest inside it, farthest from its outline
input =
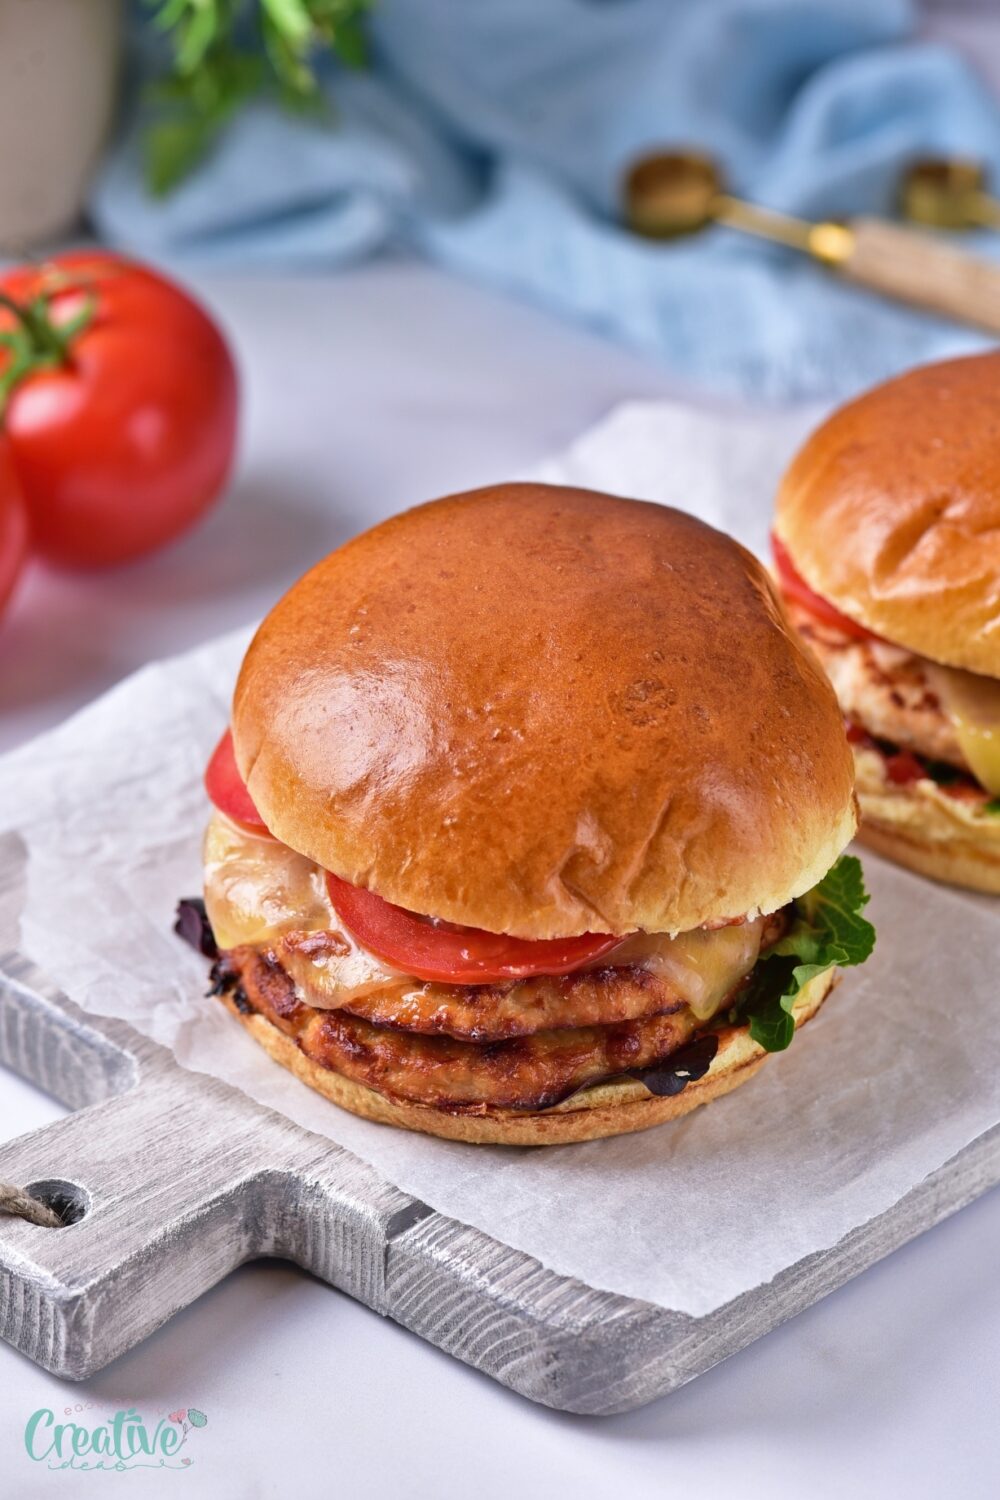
(491, 136)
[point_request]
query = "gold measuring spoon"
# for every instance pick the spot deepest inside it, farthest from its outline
(679, 192)
(948, 192)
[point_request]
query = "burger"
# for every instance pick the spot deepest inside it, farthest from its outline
(527, 824)
(887, 552)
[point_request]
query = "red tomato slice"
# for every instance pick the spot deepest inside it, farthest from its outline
(904, 767)
(455, 955)
(227, 789)
(795, 586)
(964, 790)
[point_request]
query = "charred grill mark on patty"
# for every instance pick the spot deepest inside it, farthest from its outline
(322, 944)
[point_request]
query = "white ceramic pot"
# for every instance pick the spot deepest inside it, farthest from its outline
(58, 72)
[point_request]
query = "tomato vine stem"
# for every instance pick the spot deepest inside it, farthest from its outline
(36, 342)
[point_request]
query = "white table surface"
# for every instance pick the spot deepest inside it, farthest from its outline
(364, 394)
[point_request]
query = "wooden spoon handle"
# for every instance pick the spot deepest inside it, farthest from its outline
(919, 268)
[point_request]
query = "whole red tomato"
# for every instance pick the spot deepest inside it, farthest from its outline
(13, 525)
(122, 420)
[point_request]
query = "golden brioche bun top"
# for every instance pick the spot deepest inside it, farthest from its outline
(891, 511)
(545, 711)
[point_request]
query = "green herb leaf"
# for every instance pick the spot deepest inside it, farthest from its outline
(992, 807)
(196, 38)
(190, 113)
(168, 12)
(831, 912)
(350, 42)
(288, 58)
(173, 149)
(828, 930)
(291, 19)
(226, 51)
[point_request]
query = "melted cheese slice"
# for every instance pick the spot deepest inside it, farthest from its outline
(972, 704)
(700, 966)
(257, 890)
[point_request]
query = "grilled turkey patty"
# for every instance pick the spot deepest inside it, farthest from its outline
(532, 1072)
(882, 688)
(617, 991)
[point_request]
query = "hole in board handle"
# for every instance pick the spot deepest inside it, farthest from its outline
(67, 1200)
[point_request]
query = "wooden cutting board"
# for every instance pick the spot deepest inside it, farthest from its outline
(175, 1178)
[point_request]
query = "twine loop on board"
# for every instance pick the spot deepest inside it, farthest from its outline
(14, 1200)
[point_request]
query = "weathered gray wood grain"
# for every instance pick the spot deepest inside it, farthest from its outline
(183, 1178)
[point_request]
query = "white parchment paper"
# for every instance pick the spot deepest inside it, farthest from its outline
(897, 1074)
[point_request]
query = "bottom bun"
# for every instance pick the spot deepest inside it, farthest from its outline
(612, 1108)
(922, 826)
(956, 862)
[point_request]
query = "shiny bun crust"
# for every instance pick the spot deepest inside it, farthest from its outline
(545, 711)
(607, 1109)
(892, 511)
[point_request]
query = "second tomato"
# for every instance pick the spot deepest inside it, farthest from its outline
(13, 525)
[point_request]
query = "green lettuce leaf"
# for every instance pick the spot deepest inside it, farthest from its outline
(828, 929)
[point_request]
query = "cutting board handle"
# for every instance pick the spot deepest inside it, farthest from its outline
(174, 1182)
(159, 1219)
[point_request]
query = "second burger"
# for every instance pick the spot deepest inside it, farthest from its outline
(887, 550)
